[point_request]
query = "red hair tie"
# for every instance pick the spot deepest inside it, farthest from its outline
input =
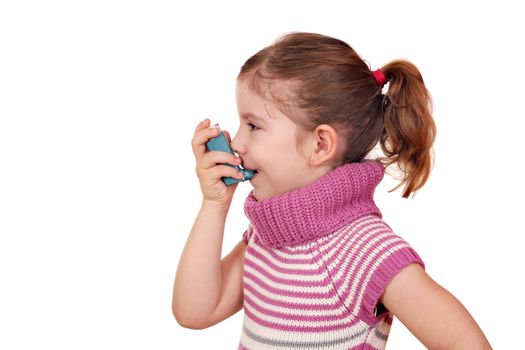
(379, 77)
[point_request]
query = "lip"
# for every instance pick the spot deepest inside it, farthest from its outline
(255, 175)
(244, 166)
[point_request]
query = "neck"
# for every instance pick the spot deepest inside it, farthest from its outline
(318, 209)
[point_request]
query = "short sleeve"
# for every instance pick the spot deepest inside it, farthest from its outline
(390, 257)
(247, 235)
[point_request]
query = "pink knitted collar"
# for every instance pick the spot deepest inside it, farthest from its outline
(318, 209)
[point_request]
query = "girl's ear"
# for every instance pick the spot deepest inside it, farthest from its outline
(325, 146)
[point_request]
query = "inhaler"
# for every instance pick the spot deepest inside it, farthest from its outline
(220, 143)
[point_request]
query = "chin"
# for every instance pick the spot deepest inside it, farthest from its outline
(259, 196)
(262, 196)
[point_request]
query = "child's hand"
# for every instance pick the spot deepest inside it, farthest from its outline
(210, 167)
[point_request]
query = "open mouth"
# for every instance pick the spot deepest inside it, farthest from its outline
(255, 172)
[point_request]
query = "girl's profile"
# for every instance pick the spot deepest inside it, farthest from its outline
(317, 267)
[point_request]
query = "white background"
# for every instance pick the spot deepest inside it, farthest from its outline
(98, 103)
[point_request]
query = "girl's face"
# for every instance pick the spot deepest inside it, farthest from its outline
(266, 141)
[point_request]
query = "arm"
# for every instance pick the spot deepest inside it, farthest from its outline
(208, 290)
(431, 313)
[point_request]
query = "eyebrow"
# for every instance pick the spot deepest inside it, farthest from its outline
(252, 116)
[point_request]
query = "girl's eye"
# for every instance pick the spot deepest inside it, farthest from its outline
(252, 126)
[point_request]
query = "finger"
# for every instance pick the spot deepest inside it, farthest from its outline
(219, 171)
(226, 171)
(202, 125)
(228, 137)
(227, 134)
(200, 139)
(213, 158)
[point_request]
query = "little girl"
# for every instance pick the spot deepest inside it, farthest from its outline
(317, 267)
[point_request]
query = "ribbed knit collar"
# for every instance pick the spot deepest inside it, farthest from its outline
(318, 209)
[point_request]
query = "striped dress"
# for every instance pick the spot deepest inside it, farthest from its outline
(317, 261)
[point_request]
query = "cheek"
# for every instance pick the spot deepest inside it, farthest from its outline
(286, 168)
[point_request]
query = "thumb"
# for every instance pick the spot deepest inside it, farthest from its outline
(228, 137)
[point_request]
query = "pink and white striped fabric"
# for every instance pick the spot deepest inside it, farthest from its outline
(318, 287)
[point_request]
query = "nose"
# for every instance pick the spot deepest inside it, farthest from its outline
(237, 145)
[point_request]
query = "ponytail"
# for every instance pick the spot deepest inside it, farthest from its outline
(409, 129)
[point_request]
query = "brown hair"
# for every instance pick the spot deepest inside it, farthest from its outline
(330, 84)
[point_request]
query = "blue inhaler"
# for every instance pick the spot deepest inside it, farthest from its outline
(220, 143)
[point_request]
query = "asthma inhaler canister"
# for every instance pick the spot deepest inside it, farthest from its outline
(220, 143)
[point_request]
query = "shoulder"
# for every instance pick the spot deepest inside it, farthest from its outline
(373, 239)
(378, 254)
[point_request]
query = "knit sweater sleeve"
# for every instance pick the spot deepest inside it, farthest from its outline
(377, 256)
(398, 258)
